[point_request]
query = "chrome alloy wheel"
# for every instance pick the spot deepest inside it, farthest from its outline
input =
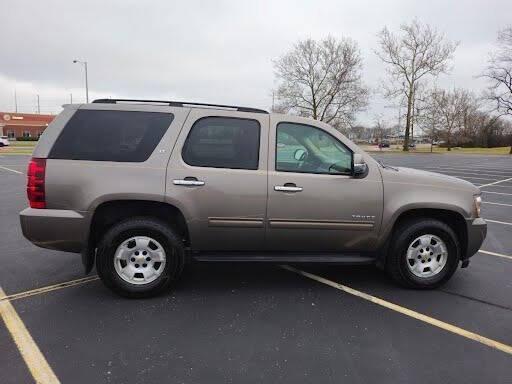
(427, 256)
(139, 260)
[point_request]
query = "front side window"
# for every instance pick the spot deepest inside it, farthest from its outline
(221, 142)
(120, 136)
(307, 149)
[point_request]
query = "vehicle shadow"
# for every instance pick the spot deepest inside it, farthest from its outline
(224, 276)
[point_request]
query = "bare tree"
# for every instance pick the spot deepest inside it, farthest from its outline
(380, 128)
(447, 110)
(322, 80)
(416, 52)
(499, 73)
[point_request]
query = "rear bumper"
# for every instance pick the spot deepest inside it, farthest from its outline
(58, 229)
(476, 230)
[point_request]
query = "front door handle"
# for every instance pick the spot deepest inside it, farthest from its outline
(188, 182)
(288, 187)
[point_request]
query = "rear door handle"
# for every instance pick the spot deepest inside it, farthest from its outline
(288, 187)
(188, 182)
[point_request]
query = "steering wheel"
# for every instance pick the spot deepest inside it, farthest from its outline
(337, 167)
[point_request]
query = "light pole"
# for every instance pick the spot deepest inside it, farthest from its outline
(84, 63)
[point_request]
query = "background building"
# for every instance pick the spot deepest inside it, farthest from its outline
(25, 125)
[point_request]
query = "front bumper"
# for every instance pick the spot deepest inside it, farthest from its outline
(58, 229)
(476, 230)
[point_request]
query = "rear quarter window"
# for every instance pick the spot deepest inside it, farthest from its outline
(120, 136)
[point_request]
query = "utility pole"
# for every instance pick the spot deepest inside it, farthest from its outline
(70, 98)
(15, 101)
(38, 106)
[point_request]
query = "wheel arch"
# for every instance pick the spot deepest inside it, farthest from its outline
(111, 212)
(454, 219)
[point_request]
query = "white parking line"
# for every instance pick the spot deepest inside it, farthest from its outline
(406, 311)
(496, 254)
(496, 193)
(497, 182)
(470, 169)
(498, 222)
(488, 202)
(32, 355)
(470, 177)
(501, 186)
(12, 170)
(447, 171)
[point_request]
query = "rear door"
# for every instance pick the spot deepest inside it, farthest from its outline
(217, 176)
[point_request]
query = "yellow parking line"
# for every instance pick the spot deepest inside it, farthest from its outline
(406, 311)
(48, 288)
(35, 360)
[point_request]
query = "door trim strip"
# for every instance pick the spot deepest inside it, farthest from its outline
(321, 224)
(237, 222)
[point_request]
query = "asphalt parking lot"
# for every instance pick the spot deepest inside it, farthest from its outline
(263, 323)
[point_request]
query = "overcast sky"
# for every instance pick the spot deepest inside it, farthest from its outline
(211, 51)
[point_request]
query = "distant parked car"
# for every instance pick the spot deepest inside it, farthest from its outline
(4, 141)
(412, 145)
(384, 144)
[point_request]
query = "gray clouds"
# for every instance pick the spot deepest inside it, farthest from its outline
(218, 51)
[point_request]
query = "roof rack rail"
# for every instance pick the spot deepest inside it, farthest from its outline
(181, 104)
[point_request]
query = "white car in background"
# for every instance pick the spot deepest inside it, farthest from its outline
(4, 141)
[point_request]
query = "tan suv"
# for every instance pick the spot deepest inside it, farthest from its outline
(142, 187)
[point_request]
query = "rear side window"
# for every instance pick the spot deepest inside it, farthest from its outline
(123, 136)
(221, 142)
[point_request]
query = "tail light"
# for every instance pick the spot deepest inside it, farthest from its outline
(35, 183)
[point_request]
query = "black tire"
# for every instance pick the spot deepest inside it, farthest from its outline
(140, 226)
(397, 258)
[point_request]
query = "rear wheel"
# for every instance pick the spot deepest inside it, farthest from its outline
(140, 257)
(424, 254)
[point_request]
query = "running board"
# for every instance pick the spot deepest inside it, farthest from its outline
(284, 258)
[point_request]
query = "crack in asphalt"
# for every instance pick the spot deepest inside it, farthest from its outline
(477, 300)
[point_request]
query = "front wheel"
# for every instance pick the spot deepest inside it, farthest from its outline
(424, 254)
(139, 257)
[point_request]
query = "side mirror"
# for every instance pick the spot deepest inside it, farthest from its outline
(360, 167)
(300, 154)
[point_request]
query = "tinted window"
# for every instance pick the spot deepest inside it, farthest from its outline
(221, 142)
(126, 136)
(303, 148)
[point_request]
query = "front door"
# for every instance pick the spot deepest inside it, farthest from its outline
(314, 202)
(217, 176)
